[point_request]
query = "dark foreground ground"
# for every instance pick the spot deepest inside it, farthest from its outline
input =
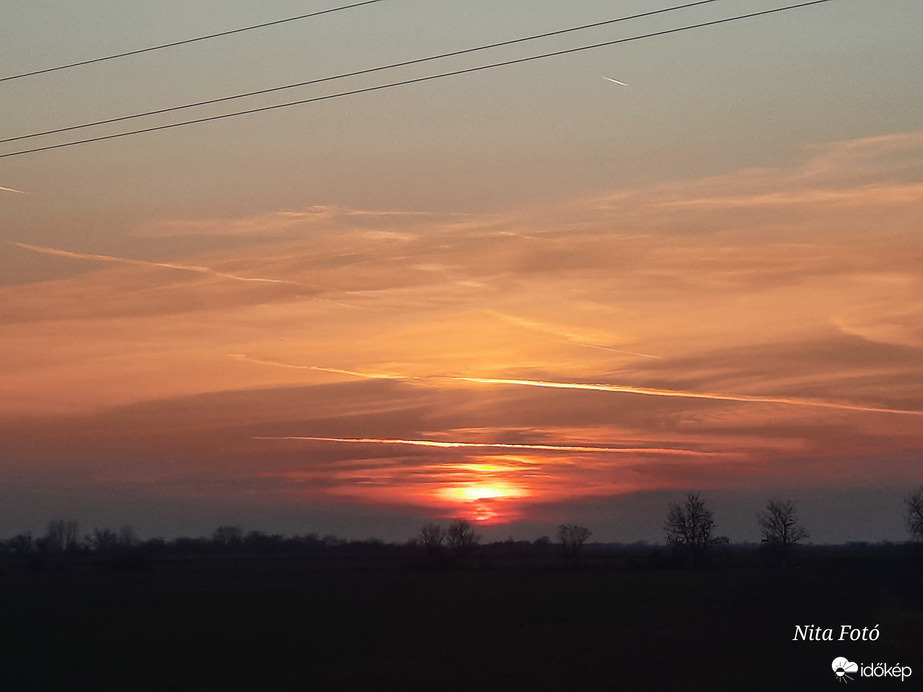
(289, 624)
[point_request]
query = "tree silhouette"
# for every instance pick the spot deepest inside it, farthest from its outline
(461, 537)
(102, 540)
(258, 541)
(779, 528)
(62, 535)
(20, 544)
(914, 518)
(432, 536)
(689, 527)
(127, 537)
(572, 538)
(228, 536)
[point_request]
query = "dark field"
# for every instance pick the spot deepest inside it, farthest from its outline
(212, 623)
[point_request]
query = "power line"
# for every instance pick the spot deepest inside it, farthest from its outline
(418, 80)
(186, 41)
(357, 73)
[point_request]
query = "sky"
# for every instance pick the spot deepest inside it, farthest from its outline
(525, 296)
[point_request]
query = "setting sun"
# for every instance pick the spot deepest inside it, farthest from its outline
(486, 502)
(471, 493)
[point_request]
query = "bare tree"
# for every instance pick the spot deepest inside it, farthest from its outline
(72, 535)
(21, 543)
(779, 527)
(572, 538)
(914, 518)
(127, 537)
(102, 540)
(62, 535)
(332, 541)
(432, 536)
(690, 526)
(228, 536)
(461, 536)
(54, 536)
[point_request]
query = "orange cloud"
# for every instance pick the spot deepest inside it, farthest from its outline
(731, 329)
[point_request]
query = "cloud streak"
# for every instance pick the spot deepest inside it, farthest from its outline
(565, 336)
(149, 263)
(296, 223)
(335, 371)
(649, 391)
(601, 387)
(588, 449)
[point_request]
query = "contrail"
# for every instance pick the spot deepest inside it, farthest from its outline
(149, 263)
(648, 391)
(352, 373)
(615, 81)
(365, 375)
(619, 388)
(496, 445)
(11, 189)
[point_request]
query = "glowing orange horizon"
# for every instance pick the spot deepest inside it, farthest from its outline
(493, 488)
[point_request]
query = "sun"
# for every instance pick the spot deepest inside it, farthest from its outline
(474, 492)
(484, 502)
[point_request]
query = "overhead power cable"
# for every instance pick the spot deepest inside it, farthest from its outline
(406, 63)
(417, 80)
(186, 41)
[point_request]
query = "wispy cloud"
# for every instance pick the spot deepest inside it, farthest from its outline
(297, 222)
(149, 263)
(863, 196)
(567, 336)
(13, 190)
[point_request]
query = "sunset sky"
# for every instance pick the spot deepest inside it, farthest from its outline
(527, 295)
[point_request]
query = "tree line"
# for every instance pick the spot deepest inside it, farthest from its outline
(690, 526)
(63, 537)
(689, 529)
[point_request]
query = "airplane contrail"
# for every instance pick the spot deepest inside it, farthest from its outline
(336, 371)
(650, 391)
(148, 263)
(12, 189)
(594, 387)
(496, 445)
(615, 81)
